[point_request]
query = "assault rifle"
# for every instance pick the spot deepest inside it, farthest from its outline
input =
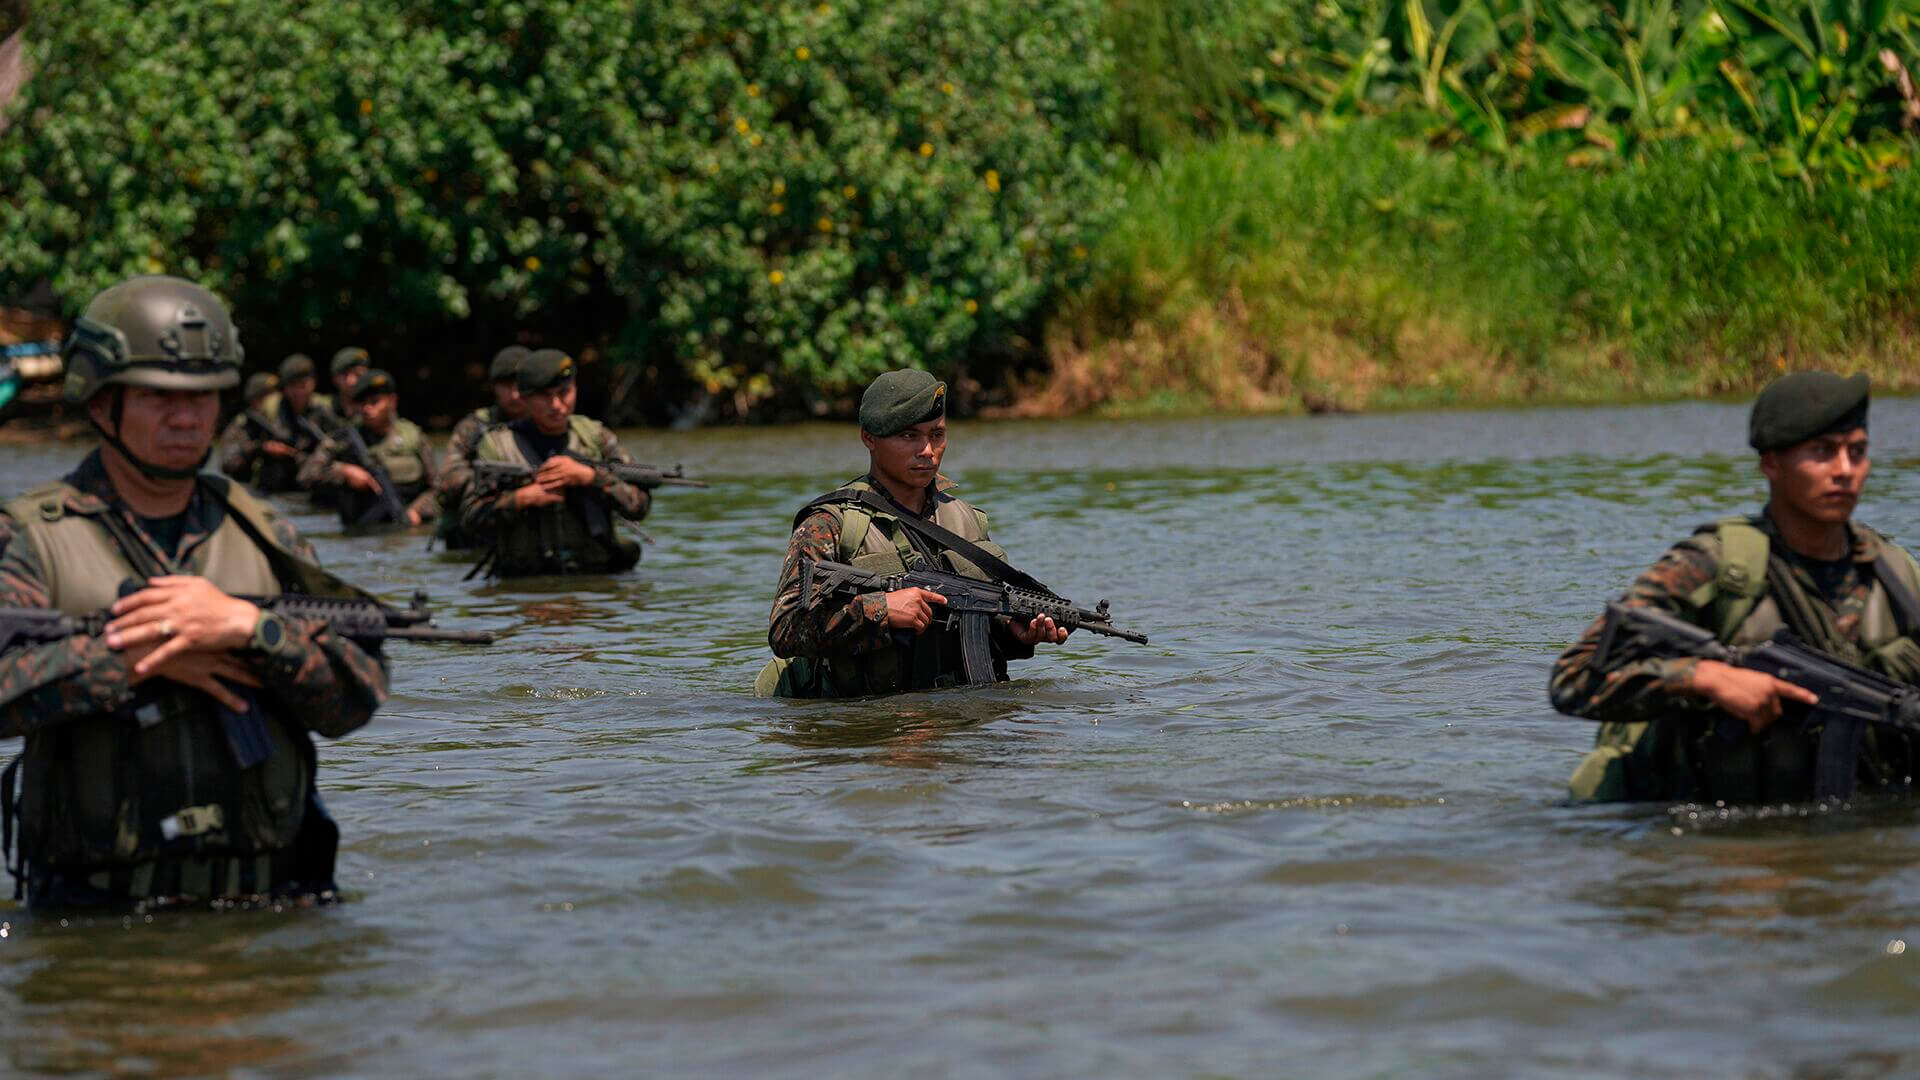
(1850, 697)
(387, 503)
(493, 477)
(274, 431)
(364, 622)
(971, 604)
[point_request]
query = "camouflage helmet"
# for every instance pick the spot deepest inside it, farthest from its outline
(158, 331)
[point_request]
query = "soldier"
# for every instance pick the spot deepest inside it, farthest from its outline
(397, 447)
(349, 366)
(456, 465)
(298, 402)
(252, 448)
(560, 522)
(1802, 564)
(129, 788)
(881, 643)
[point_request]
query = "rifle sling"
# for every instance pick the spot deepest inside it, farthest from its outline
(947, 538)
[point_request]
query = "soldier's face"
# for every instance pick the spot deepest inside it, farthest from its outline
(549, 408)
(169, 428)
(376, 412)
(506, 395)
(299, 392)
(1819, 479)
(348, 379)
(909, 458)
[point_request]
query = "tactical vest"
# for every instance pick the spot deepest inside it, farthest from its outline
(117, 797)
(875, 541)
(575, 536)
(1640, 759)
(399, 454)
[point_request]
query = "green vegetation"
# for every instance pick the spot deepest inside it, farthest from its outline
(1112, 204)
(759, 204)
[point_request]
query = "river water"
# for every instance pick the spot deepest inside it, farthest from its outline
(1314, 829)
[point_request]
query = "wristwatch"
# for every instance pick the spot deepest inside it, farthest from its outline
(270, 635)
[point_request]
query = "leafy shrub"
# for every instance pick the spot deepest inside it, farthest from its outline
(766, 203)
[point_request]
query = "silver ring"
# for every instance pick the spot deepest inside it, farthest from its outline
(166, 629)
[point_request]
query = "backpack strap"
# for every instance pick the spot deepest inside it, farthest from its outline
(1736, 590)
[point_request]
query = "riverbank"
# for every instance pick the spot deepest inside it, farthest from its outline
(1359, 269)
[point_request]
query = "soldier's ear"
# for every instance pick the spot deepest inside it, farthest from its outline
(867, 439)
(105, 408)
(1770, 465)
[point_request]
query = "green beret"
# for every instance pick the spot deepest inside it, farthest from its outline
(543, 369)
(373, 384)
(898, 400)
(297, 366)
(347, 359)
(259, 385)
(506, 363)
(1798, 407)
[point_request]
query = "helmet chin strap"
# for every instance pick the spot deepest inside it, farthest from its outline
(146, 468)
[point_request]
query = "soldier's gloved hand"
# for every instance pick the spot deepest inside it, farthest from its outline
(912, 609)
(357, 477)
(1041, 629)
(1754, 697)
(179, 614)
(205, 671)
(536, 494)
(563, 471)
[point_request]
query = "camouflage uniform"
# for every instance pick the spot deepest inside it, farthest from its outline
(405, 454)
(1656, 742)
(315, 681)
(242, 455)
(842, 640)
(589, 547)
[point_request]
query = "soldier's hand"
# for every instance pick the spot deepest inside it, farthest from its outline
(357, 477)
(179, 614)
(563, 471)
(413, 516)
(209, 672)
(279, 449)
(912, 609)
(1041, 629)
(1754, 697)
(536, 494)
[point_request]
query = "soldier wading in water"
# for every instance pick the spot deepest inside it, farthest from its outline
(1802, 564)
(882, 643)
(129, 789)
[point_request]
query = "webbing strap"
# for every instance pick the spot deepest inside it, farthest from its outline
(945, 537)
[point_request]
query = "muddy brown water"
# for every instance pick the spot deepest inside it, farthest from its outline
(1314, 829)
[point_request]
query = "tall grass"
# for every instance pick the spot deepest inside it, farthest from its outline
(1361, 267)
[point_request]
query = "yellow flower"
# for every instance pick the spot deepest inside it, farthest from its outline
(742, 126)
(849, 191)
(825, 9)
(993, 181)
(533, 262)
(926, 149)
(824, 224)
(912, 300)
(776, 277)
(366, 106)
(973, 307)
(779, 187)
(755, 140)
(776, 209)
(946, 88)
(753, 89)
(1079, 252)
(802, 53)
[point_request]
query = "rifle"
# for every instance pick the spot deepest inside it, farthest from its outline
(971, 603)
(387, 505)
(274, 431)
(493, 477)
(1851, 697)
(365, 622)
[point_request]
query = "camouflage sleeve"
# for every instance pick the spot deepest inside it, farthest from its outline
(632, 502)
(1641, 689)
(237, 449)
(857, 626)
(328, 680)
(318, 470)
(46, 682)
(427, 503)
(456, 465)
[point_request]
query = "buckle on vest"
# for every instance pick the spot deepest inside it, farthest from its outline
(193, 821)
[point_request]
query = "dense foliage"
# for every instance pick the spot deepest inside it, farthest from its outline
(759, 203)
(1814, 87)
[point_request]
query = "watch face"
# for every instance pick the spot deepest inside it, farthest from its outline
(269, 634)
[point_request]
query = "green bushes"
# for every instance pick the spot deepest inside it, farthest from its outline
(761, 203)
